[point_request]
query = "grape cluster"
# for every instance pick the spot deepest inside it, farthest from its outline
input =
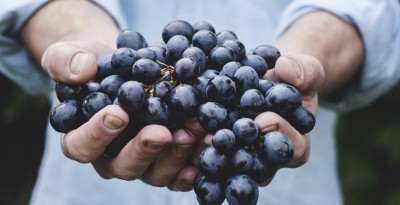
(195, 72)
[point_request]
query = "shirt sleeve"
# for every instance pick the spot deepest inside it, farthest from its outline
(15, 60)
(378, 23)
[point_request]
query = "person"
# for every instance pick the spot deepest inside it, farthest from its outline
(340, 55)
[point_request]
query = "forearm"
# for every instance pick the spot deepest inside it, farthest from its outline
(335, 43)
(67, 20)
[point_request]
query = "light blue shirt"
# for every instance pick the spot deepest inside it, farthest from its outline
(62, 181)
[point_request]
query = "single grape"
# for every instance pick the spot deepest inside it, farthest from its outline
(225, 35)
(209, 73)
(175, 48)
(66, 116)
(104, 67)
(186, 70)
(92, 86)
(257, 63)
(219, 56)
(245, 130)
(131, 39)
(110, 86)
(122, 60)
(224, 141)
(161, 53)
(204, 40)
(233, 116)
(146, 53)
(196, 54)
(177, 27)
(156, 112)
(269, 53)
(245, 78)
(241, 190)
(203, 25)
(242, 161)
(282, 99)
(70, 92)
(221, 89)
(212, 116)
(265, 85)
(213, 164)
(183, 102)
(302, 120)
(163, 89)
(200, 85)
(132, 96)
(276, 148)
(93, 103)
(237, 46)
(230, 68)
(209, 192)
(261, 172)
(252, 103)
(146, 71)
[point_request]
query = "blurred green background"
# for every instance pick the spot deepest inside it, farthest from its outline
(368, 143)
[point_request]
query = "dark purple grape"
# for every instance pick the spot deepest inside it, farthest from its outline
(225, 35)
(161, 53)
(230, 68)
(209, 73)
(196, 54)
(131, 39)
(221, 89)
(224, 141)
(186, 70)
(132, 96)
(265, 85)
(70, 92)
(241, 190)
(110, 86)
(175, 48)
(203, 25)
(204, 40)
(245, 78)
(178, 27)
(276, 149)
(212, 116)
(122, 60)
(93, 103)
(233, 116)
(269, 53)
(245, 130)
(257, 63)
(156, 112)
(200, 85)
(242, 161)
(219, 56)
(237, 46)
(302, 120)
(66, 116)
(282, 99)
(104, 67)
(213, 164)
(209, 192)
(162, 90)
(146, 71)
(252, 103)
(183, 102)
(146, 53)
(261, 172)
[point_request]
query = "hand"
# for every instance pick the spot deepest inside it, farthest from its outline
(155, 156)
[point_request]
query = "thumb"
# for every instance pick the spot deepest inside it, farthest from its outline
(304, 72)
(72, 62)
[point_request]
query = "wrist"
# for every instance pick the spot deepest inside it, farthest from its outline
(68, 21)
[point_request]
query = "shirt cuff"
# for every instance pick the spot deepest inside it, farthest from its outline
(378, 23)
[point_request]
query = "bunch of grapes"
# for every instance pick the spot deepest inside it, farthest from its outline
(195, 72)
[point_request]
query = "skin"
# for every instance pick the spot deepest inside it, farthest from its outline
(317, 58)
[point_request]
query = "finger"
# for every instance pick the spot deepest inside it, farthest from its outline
(136, 157)
(270, 121)
(87, 143)
(72, 62)
(164, 170)
(185, 179)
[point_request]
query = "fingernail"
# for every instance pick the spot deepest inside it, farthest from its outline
(112, 122)
(155, 145)
(78, 62)
(183, 149)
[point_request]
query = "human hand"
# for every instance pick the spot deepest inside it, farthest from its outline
(154, 155)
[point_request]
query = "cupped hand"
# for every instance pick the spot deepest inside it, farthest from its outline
(155, 155)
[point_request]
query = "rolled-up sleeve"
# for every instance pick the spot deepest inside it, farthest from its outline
(378, 23)
(15, 60)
